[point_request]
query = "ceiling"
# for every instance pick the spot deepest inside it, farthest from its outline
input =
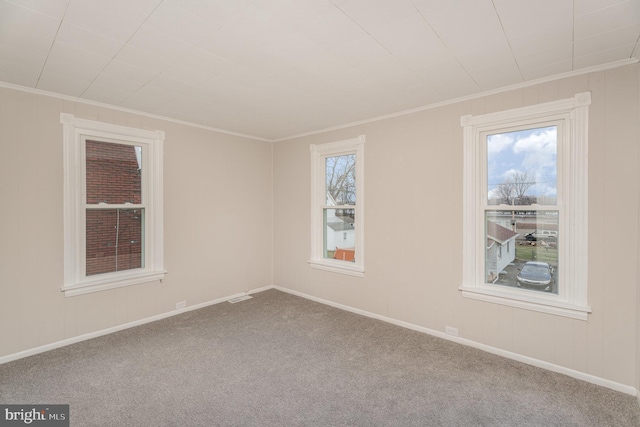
(278, 68)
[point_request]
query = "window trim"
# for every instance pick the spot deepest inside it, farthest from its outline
(318, 153)
(571, 300)
(75, 132)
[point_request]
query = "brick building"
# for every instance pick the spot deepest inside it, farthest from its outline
(114, 235)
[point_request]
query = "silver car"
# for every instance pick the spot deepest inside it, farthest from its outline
(537, 275)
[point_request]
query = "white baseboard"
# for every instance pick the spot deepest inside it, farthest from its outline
(509, 355)
(489, 349)
(84, 337)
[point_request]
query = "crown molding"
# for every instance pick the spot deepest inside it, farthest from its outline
(582, 71)
(126, 110)
(529, 83)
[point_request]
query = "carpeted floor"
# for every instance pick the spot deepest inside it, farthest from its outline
(280, 360)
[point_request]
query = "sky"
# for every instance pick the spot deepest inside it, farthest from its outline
(534, 151)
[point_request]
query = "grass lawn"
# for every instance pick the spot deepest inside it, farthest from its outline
(537, 253)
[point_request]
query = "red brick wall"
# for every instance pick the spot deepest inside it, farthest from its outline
(113, 178)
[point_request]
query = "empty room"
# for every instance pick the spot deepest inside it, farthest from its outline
(320, 212)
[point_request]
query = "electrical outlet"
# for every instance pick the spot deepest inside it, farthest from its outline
(181, 304)
(451, 330)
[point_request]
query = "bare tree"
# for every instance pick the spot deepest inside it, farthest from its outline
(505, 193)
(512, 191)
(522, 181)
(341, 179)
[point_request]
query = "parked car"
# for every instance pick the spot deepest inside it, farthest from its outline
(545, 234)
(538, 275)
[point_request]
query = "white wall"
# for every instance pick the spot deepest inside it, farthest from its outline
(217, 209)
(413, 270)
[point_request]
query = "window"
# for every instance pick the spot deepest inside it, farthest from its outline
(525, 185)
(337, 215)
(112, 206)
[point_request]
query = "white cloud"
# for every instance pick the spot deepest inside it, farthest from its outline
(509, 174)
(545, 142)
(540, 158)
(533, 152)
(499, 142)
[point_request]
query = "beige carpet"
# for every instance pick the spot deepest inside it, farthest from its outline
(280, 360)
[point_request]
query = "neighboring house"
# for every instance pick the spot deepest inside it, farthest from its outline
(340, 233)
(114, 236)
(501, 249)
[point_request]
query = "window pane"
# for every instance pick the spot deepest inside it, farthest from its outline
(522, 167)
(522, 249)
(114, 240)
(340, 173)
(113, 173)
(339, 234)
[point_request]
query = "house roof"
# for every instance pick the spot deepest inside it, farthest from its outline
(499, 233)
(341, 226)
(276, 69)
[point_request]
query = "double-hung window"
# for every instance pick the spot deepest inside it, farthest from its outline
(525, 187)
(112, 205)
(337, 206)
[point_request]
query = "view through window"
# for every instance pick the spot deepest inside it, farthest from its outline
(339, 211)
(521, 209)
(114, 215)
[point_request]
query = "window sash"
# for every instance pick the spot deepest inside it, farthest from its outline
(500, 273)
(143, 206)
(483, 188)
(115, 243)
(527, 125)
(347, 245)
(144, 165)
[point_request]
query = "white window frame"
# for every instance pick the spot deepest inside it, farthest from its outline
(319, 152)
(573, 113)
(75, 132)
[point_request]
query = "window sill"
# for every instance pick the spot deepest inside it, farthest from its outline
(341, 267)
(107, 281)
(528, 302)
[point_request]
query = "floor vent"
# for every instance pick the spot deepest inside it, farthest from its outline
(238, 299)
